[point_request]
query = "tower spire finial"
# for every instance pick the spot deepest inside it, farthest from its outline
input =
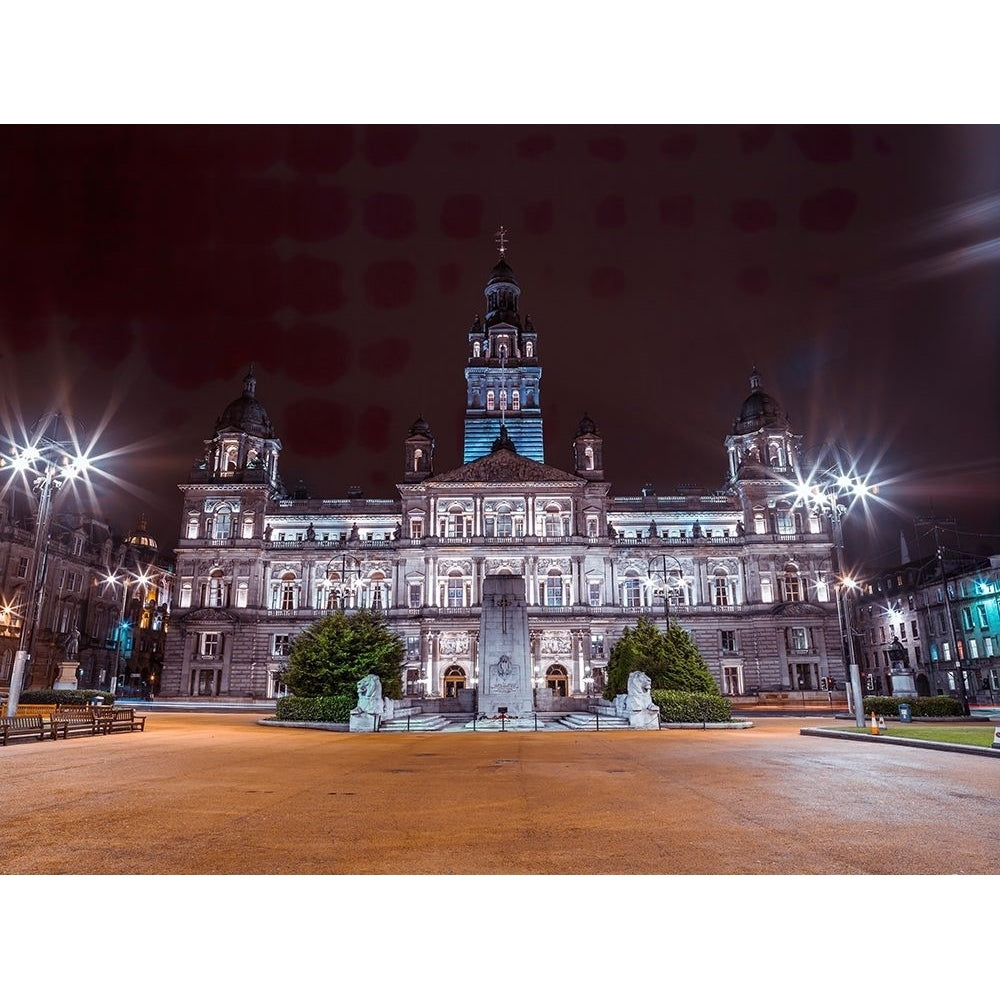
(501, 235)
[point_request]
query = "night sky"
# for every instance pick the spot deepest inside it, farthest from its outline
(145, 268)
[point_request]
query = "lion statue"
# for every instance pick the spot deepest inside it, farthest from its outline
(639, 688)
(370, 695)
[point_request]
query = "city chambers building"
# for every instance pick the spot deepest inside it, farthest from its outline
(747, 573)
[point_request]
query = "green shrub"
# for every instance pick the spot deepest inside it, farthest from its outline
(326, 708)
(692, 706)
(938, 706)
(49, 696)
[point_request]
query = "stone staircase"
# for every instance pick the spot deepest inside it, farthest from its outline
(421, 723)
(589, 721)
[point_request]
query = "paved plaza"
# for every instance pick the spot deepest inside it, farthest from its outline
(204, 793)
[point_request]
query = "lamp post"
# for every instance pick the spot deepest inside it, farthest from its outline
(46, 464)
(831, 491)
(667, 586)
(124, 620)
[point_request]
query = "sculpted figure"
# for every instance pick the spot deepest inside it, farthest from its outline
(639, 687)
(370, 695)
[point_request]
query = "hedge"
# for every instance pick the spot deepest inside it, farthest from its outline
(71, 696)
(326, 708)
(938, 706)
(692, 706)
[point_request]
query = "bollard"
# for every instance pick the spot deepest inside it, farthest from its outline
(407, 723)
(597, 717)
(536, 722)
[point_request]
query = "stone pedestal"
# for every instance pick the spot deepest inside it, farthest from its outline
(902, 684)
(362, 722)
(504, 650)
(644, 718)
(67, 679)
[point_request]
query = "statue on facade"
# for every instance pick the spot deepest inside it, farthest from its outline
(310, 533)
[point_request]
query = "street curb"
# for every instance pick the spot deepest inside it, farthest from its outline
(902, 741)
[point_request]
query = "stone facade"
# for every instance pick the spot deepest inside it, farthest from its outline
(747, 573)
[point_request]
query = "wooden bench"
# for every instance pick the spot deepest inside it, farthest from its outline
(22, 725)
(118, 720)
(73, 719)
(43, 710)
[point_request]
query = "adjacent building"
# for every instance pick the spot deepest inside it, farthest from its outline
(747, 572)
(940, 617)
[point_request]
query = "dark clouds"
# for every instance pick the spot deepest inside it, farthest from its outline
(146, 267)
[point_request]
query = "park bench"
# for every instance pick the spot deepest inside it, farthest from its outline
(45, 711)
(22, 725)
(118, 720)
(73, 719)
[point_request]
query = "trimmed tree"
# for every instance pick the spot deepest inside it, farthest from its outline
(670, 659)
(334, 653)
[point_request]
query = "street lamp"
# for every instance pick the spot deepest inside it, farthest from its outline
(46, 464)
(845, 620)
(124, 621)
(667, 584)
(831, 490)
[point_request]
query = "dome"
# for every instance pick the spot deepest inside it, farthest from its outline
(420, 426)
(587, 426)
(759, 410)
(502, 274)
(246, 413)
(140, 538)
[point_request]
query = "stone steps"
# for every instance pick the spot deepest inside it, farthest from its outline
(417, 724)
(586, 720)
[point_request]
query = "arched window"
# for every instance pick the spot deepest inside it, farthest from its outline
(491, 400)
(418, 457)
(503, 399)
(216, 593)
(721, 588)
(759, 522)
(476, 348)
(553, 520)
(515, 400)
(192, 528)
(378, 591)
(230, 458)
(588, 457)
(791, 585)
(222, 523)
(286, 592)
(529, 349)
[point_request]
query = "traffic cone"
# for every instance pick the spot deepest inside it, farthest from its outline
(874, 725)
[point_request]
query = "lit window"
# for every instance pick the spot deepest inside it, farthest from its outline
(211, 644)
(515, 400)
(554, 590)
(491, 400)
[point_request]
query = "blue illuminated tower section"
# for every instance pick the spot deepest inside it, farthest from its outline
(503, 372)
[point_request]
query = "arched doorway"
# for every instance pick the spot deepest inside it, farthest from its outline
(454, 681)
(557, 681)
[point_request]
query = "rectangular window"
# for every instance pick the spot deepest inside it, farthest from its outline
(766, 594)
(633, 594)
(413, 647)
(913, 629)
(416, 594)
(988, 645)
(594, 593)
(798, 639)
(554, 592)
(456, 590)
(984, 621)
(597, 645)
(416, 528)
(186, 593)
(211, 644)
(728, 641)
(282, 644)
(967, 618)
(592, 527)
(973, 649)
(242, 593)
(946, 650)
(22, 566)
